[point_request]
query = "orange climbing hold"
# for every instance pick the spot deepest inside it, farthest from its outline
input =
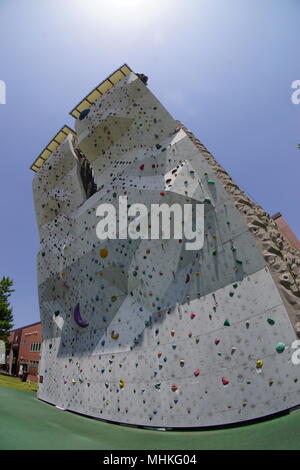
(103, 253)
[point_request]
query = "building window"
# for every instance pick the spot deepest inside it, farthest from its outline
(34, 364)
(35, 347)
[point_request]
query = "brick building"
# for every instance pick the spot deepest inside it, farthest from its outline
(25, 350)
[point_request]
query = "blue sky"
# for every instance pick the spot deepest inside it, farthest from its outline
(222, 67)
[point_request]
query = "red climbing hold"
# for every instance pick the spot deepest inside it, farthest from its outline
(225, 381)
(192, 315)
(142, 167)
(217, 340)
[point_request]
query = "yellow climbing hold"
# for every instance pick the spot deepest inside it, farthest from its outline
(103, 253)
(259, 364)
(121, 383)
(114, 335)
(114, 298)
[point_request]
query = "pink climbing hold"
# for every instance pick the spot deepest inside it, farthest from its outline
(217, 340)
(196, 372)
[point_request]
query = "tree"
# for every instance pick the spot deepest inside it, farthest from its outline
(6, 316)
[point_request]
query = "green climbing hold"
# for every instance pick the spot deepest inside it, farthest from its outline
(226, 322)
(280, 347)
(210, 182)
(271, 321)
(214, 252)
(239, 261)
(235, 285)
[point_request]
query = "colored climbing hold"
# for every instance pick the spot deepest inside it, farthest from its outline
(121, 383)
(280, 347)
(103, 253)
(174, 388)
(196, 372)
(271, 321)
(77, 317)
(217, 340)
(226, 322)
(83, 114)
(192, 316)
(225, 381)
(114, 335)
(259, 364)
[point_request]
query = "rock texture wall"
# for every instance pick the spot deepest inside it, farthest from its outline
(143, 331)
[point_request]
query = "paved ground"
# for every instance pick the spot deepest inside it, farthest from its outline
(27, 423)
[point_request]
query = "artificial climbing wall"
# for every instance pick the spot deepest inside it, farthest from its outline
(143, 331)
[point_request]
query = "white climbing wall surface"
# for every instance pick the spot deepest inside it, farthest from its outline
(146, 332)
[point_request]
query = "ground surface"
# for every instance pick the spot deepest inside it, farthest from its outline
(27, 423)
(14, 382)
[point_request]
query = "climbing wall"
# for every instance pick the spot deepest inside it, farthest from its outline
(146, 332)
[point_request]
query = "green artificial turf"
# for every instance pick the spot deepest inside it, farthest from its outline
(27, 423)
